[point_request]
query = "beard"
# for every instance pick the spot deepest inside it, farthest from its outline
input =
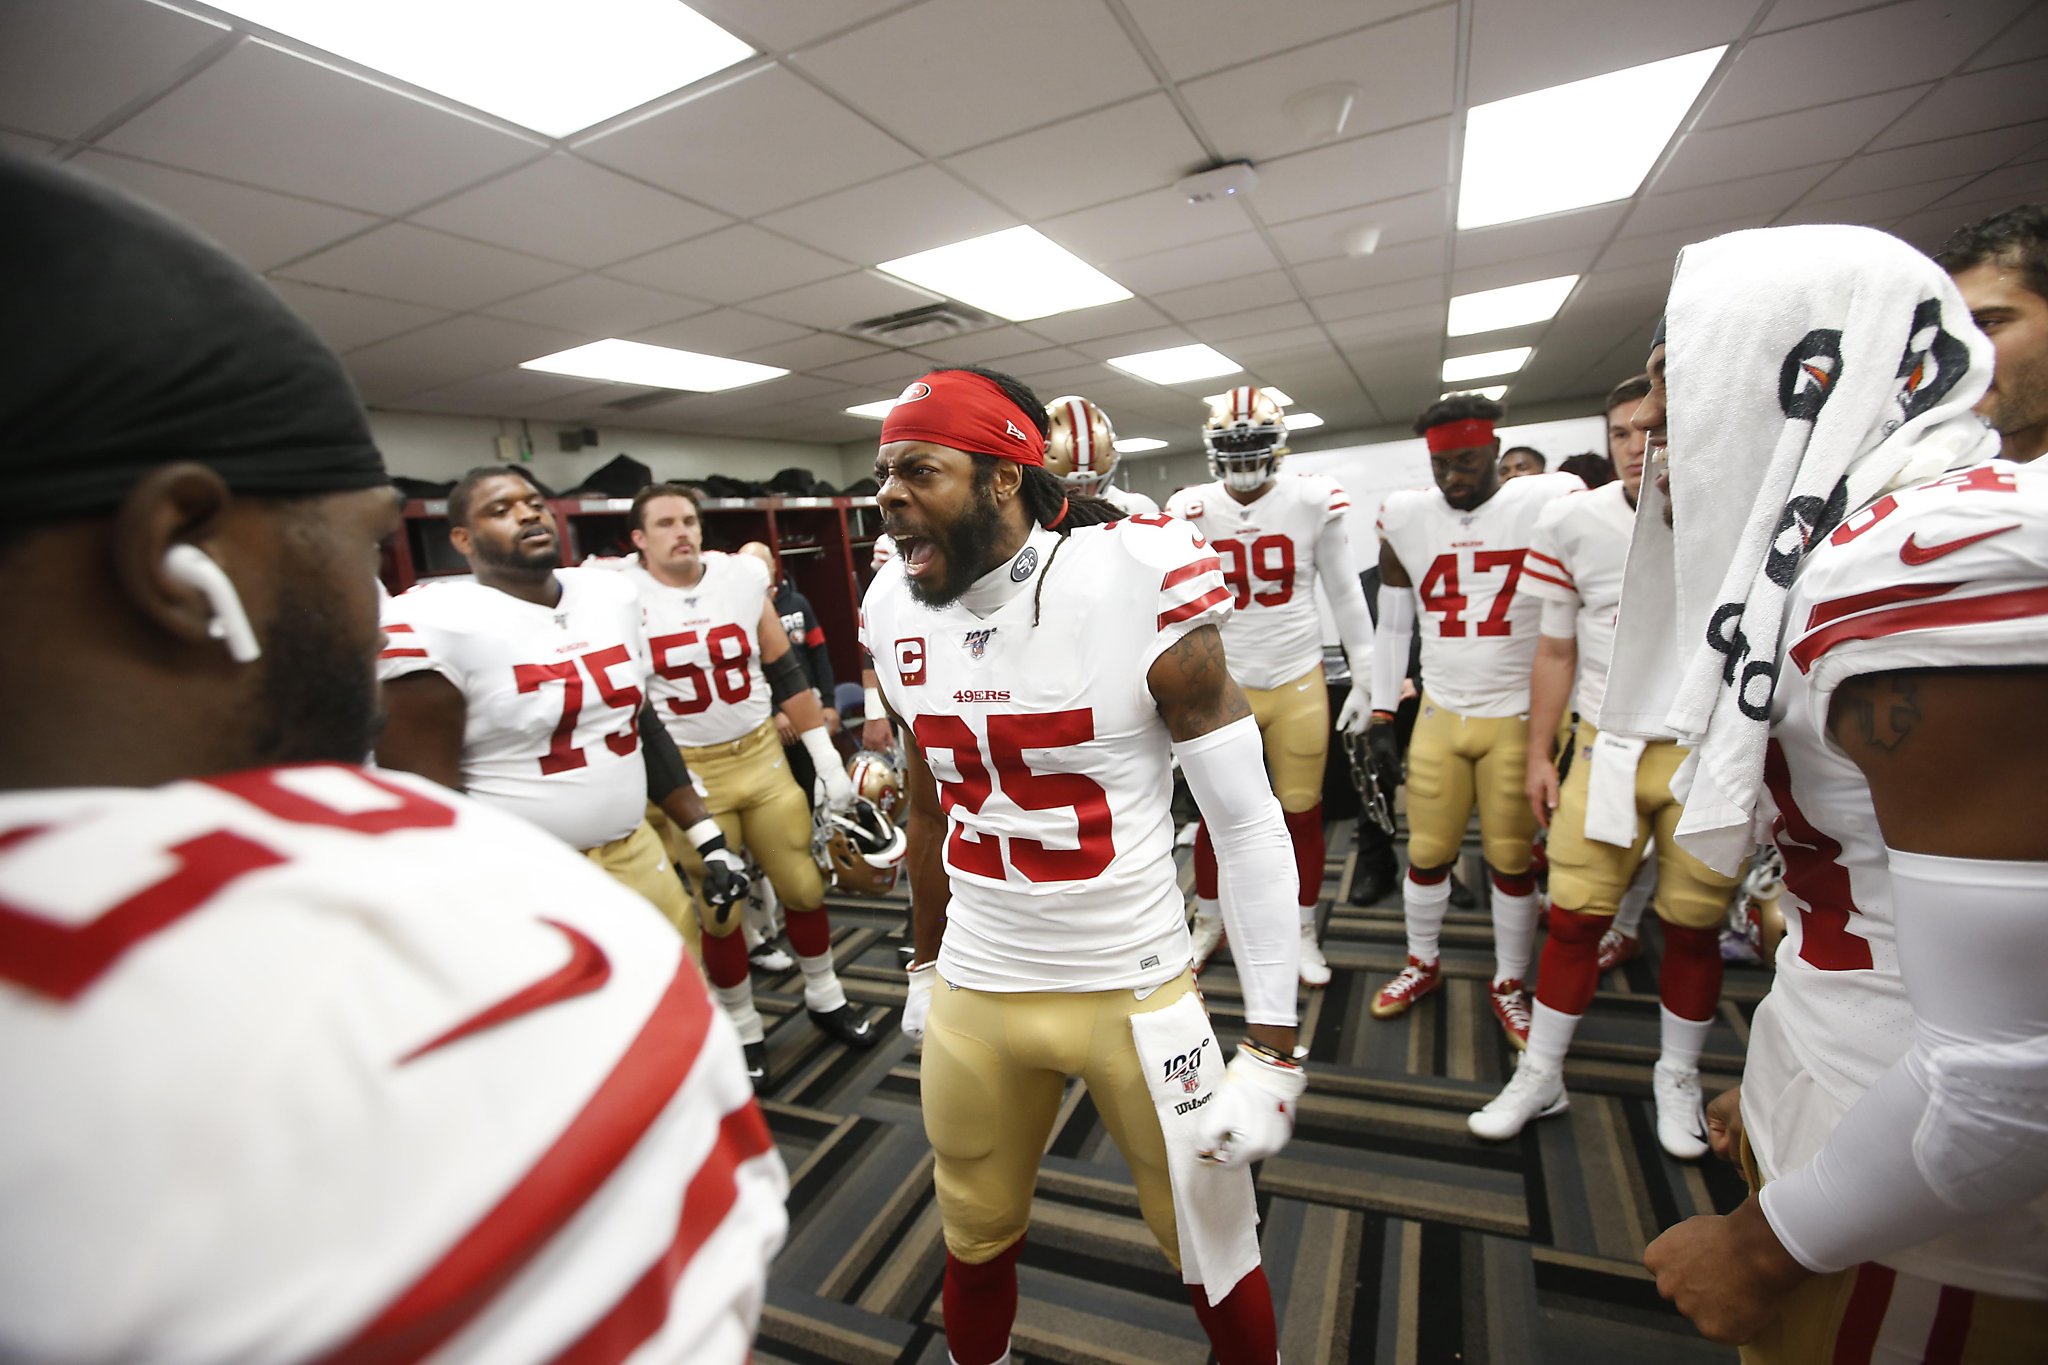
(318, 702)
(964, 548)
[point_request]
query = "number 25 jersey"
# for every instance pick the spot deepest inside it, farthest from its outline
(1050, 755)
(1478, 630)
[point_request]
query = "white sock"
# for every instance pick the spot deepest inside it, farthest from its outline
(1514, 934)
(822, 991)
(1681, 1040)
(1629, 918)
(738, 1004)
(1550, 1035)
(1208, 907)
(1308, 917)
(1423, 908)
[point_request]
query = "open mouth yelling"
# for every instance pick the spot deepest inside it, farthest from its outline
(917, 552)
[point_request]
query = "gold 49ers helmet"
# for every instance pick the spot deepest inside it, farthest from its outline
(876, 776)
(1081, 450)
(859, 848)
(1246, 435)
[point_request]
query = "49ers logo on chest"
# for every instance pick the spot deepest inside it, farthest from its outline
(910, 661)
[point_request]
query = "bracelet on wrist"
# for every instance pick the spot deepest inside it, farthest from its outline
(1266, 1053)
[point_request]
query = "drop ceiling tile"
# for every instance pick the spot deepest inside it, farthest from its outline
(797, 142)
(1904, 166)
(813, 352)
(786, 25)
(839, 303)
(1355, 303)
(566, 209)
(987, 348)
(1182, 267)
(727, 332)
(2026, 39)
(265, 117)
(597, 306)
(730, 265)
(415, 264)
(505, 393)
(1764, 194)
(909, 211)
(891, 371)
(66, 67)
(1252, 322)
(346, 321)
(1633, 282)
(2024, 183)
(1963, 104)
(1574, 261)
(21, 144)
(444, 352)
(1879, 208)
(1363, 170)
(1788, 13)
(1537, 237)
(1133, 343)
(910, 72)
(1228, 296)
(1292, 345)
(1410, 218)
(1662, 248)
(1143, 143)
(1402, 71)
(1932, 226)
(1108, 319)
(1389, 265)
(1196, 36)
(1422, 325)
(1857, 54)
(1518, 47)
(259, 229)
(1153, 221)
(1053, 359)
(1804, 138)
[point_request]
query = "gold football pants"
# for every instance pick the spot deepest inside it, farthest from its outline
(1294, 725)
(749, 791)
(639, 863)
(1454, 762)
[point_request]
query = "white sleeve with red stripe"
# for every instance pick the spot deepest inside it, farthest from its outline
(410, 640)
(1191, 590)
(319, 1064)
(1952, 574)
(1546, 570)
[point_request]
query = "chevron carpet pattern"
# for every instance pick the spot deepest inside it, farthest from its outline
(1390, 1234)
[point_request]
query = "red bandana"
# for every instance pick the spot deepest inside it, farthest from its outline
(966, 412)
(1462, 434)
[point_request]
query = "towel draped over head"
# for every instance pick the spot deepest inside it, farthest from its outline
(1808, 370)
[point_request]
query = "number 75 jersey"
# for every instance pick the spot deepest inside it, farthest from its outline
(1038, 724)
(1478, 629)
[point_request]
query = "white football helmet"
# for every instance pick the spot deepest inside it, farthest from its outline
(859, 849)
(1245, 435)
(1081, 451)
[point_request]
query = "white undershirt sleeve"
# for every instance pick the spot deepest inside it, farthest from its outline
(1958, 1127)
(1338, 573)
(1390, 650)
(1560, 619)
(1226, 771)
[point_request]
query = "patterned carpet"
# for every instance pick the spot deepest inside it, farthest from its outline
(1390, 1234)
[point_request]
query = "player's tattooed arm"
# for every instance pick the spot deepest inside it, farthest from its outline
(1953, 757)
(924, 827)
(1193, 687)
(425, 715)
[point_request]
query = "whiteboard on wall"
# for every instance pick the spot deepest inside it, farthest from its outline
(1369, 473)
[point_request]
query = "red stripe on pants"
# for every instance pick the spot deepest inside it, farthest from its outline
(1856, 1337)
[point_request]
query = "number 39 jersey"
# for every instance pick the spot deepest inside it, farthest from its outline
(1950, 574)
(707, 685)
(1051, 758)
(553, 695)
(1478, 631)
(1268, 552)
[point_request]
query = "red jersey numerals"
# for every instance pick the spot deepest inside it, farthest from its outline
(563, 755)
(1442, 595)
(1269, 560)
(1982, 479)
(1009, 735)
(729, 679)
(1814, 873)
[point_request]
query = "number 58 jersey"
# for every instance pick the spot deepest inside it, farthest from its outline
(1051, 759)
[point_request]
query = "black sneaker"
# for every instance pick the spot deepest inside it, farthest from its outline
(1371, 885)
(845, 1025)
(757, 1064)
(768, 956)
(1461, 896)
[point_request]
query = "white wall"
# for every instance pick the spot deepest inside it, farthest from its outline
(436, 447)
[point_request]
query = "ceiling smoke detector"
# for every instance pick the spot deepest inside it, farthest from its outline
(923, 326)
(1218, 182)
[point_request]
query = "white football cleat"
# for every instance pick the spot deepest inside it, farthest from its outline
(1208, 931)
(1533, 1092)
(1681, 1122)
(1314, 970)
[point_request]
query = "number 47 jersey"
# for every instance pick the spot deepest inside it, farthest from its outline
(1478, 631)
(1038, 723)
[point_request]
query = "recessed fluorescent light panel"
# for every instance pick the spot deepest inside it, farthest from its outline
(1277, 395)
(657, 367)
(1018, 273)
(1460, 367)
(1490, 310)
(1177, 364)
(1302, 421)
(551, 67)
(1131, 445)
(1589, 142)
(877, 410)
(1492, 391)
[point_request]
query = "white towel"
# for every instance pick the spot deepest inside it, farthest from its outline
(1809, 370)
(1213, 1205)
(1611, 789)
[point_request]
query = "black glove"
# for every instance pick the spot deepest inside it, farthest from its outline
(1383, 745)
(725, 887)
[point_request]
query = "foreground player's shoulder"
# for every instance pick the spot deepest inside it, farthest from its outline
(1540, 490)
(425, 626)
(601, 585)
(1403, 506)
(1189, 503)
(1161, 564)
(1322, 495)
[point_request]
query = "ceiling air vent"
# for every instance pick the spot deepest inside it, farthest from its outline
(923, 326)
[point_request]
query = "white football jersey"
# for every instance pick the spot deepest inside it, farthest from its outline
(1576, 556)
(1952, 574)
(552, 728)
(704, 644)
(316, 1063)
(1478, 630)
(1133, 504)
(1050, 754)
(1268, 552)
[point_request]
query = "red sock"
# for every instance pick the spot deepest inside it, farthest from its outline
(1513, 883)
(980, 1304)
(1305, 828)
(725, 959)
(1428, 876)
(1690, 981)
(1569, 972)
(1205, 863)
(1241, 1329)
(810, 931)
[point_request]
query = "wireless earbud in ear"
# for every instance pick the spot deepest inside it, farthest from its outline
(192, 566)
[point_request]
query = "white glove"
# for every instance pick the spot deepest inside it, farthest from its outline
(917, 1006)
(1252, 1115)
(831, 769)
(1356, 712)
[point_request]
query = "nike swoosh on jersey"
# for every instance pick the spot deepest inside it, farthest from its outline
(586, 970)
(1913, 552)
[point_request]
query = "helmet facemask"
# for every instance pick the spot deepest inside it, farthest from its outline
(1245, 436)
